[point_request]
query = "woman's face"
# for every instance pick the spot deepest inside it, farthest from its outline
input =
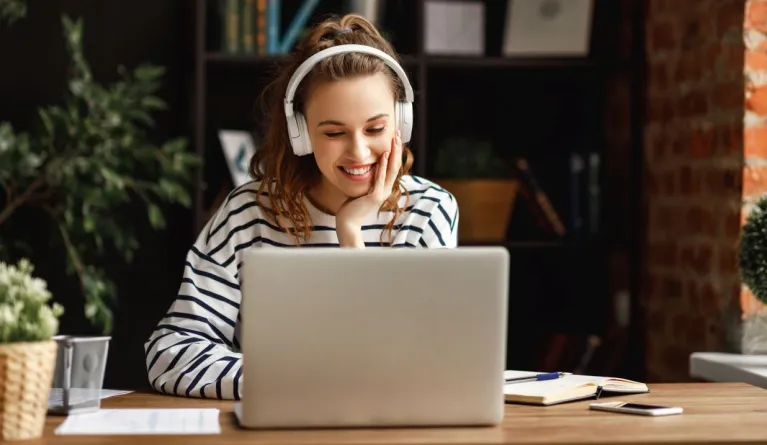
(351, 124)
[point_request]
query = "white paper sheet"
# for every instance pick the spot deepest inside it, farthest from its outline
(143, 421)
(80, 395)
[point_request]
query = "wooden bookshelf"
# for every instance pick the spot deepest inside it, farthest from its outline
(433, 76)
(540, 108)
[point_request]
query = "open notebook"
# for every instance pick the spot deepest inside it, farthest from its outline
(566, 388)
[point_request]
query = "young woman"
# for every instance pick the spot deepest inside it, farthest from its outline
(332, 170)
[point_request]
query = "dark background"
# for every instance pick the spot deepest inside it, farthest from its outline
(541, 112)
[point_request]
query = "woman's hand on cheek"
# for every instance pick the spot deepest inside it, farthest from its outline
(351, 215)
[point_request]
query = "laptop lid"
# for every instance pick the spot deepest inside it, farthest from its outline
(373, 337)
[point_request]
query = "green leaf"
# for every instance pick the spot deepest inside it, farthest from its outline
(153, 102)
(47, 120)
(148, 72)
(77, 87)
(112, 179)
(156, 218)
(184, 198)
(142, 117)
(12, 11)
(89, 225)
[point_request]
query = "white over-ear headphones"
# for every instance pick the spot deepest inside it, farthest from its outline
(297, 128)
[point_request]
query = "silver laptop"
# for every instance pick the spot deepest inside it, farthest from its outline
(373, 337)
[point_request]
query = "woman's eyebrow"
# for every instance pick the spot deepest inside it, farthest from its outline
(339, 123)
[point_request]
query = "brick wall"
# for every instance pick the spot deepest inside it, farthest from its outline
(693, 175)
(755, 129)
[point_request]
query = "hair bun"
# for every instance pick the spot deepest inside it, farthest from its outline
(341, 31)
(351, 28)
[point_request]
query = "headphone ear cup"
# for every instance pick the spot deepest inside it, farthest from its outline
(403, 114)
(301, 144)
(294, 133)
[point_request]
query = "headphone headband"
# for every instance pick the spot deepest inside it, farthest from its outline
(309, 63)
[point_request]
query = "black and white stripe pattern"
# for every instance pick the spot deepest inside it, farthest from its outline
(195, 350)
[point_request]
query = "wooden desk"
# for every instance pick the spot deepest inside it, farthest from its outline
(714, 413)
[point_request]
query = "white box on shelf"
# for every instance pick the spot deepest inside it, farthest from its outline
(454, 27)
(548, 27)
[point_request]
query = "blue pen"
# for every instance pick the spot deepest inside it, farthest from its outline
(537, 377)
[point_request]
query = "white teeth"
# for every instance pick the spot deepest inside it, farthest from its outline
(357, 171)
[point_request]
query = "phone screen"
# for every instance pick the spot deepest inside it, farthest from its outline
(642, 407)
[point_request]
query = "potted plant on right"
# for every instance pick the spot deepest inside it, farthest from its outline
(752, 259)
(481, 182)
(27, 351)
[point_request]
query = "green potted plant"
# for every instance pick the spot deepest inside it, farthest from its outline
(481, 182)
(27, 350)
(752, 258)
(89, 160)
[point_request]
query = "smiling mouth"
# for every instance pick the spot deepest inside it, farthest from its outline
(360, 171)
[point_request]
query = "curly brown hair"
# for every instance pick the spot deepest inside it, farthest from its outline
(286, 178)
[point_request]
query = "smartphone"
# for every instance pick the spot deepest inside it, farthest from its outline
(636, 408)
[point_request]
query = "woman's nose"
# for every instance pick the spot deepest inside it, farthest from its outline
(360, 149)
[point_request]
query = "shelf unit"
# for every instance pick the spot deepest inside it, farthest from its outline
(419, 65)
(550, 107)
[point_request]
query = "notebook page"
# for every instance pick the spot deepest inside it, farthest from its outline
(511, 374)
(547, 387)
(609, 383)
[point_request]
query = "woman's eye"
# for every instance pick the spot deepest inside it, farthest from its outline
(333, 134)
(376, 130)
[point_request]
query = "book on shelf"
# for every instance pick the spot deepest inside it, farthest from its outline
(254, 26)
(585, 195)
(569, 387)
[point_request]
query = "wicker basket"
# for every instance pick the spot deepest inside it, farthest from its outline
(26, 373)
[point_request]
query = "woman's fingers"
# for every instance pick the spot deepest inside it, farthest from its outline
(396, 161)
(381, 174)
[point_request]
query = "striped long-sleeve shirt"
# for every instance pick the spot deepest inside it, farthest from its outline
(195, 348)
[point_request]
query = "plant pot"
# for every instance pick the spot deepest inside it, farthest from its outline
(484, 205)
(79, 374)
(754, 333)
(26, 371)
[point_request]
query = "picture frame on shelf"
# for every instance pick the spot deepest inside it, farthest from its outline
(454, 28)
(238, 147)
(548, 28)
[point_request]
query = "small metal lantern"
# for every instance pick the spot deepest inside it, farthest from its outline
(79, 374)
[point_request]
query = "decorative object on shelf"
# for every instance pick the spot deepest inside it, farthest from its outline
(752, 257)
(478, 179)
(454, 27)
(27, 351)
(90, 159)
(548, 27)
(238, 148)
